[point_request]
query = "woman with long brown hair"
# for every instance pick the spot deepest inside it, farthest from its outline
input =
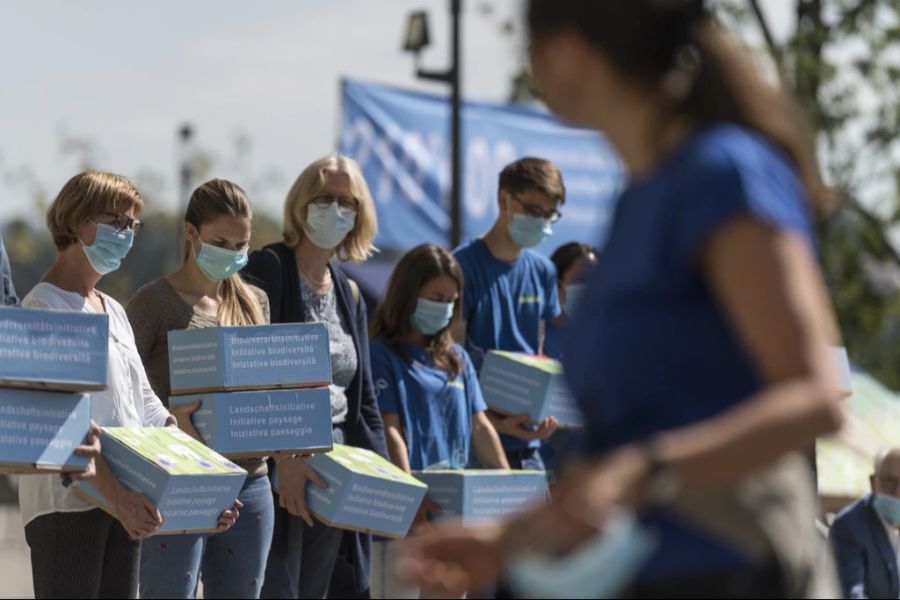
(427, 388)
(206, 292)
(699, 352)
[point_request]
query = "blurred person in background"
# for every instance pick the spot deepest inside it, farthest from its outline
(573, 262)
(206, 291)
(328, 214)
(699, 354)
(865, 535)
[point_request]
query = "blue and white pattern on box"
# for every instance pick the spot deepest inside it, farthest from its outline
(60, 350)
(263, 422)
(365, 492)
(516, 383)
(251, 357)
(483, 496)
(40, 430)
(189, 483)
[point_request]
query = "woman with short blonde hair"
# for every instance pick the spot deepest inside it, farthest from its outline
(78, 550)
(328, 213)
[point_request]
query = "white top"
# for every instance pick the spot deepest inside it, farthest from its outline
(127, 402)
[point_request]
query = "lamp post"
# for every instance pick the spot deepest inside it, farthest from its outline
(415, 40)
(185, 167)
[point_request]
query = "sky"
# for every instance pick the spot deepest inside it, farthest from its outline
(121, 77)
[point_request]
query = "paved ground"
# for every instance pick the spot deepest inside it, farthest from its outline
(15, 566)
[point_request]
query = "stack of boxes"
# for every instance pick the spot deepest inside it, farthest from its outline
(48, 360)
(263, 389)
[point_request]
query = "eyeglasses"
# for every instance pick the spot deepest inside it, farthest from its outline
(533, 210)
(122, 222)
(345, 202)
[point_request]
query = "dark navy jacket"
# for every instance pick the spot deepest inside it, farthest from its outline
(865, 559)
(274, 270)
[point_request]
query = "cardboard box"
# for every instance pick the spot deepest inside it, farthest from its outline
(189, 483)
(53, 350)
(365, 492)
(40, 430)
(263, 423)
(515, 383)
(483, 495)
(257, 357)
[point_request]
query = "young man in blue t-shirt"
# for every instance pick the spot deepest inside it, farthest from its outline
(510, 290)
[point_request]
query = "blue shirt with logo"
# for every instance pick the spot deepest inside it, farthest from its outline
(650, 347)
(435, 410)
(504, 304)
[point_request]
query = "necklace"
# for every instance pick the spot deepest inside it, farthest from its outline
(319, 283)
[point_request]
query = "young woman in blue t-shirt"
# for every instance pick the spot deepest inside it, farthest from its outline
(427, 388)
(428, 391)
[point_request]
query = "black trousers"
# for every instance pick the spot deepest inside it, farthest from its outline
(762, 582)
(82, 555)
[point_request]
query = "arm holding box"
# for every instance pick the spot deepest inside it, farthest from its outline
(486, 443)
(138, 515)
(293, 474)
(515, 426)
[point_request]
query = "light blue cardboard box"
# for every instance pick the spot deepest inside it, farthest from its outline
(515, 383)
(483, 495)
(263, 423)
(39, 430)
(53, 350)
(253, 357)
(365, 492)
(189, 483)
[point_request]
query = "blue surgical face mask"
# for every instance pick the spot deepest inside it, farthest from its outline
(600, 569)
(888, 507)
(574, 293)
(327, 226)
(110, 247)
(528, 232)
(220, 263)
(430, 316)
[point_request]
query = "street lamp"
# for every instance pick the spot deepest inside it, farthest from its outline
(415, 40)
(185, 168)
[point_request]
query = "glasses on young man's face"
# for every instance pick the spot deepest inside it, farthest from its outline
(122, 222)
(345, 202)
(533, 210)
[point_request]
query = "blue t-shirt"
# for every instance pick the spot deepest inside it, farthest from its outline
(436, 412)
(554, 340)
(649, 348)
(504, 304)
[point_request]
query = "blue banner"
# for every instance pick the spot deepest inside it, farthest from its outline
(401, 139)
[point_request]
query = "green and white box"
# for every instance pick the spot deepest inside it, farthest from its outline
(190, 483)
(365, 492)
(514, 383)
